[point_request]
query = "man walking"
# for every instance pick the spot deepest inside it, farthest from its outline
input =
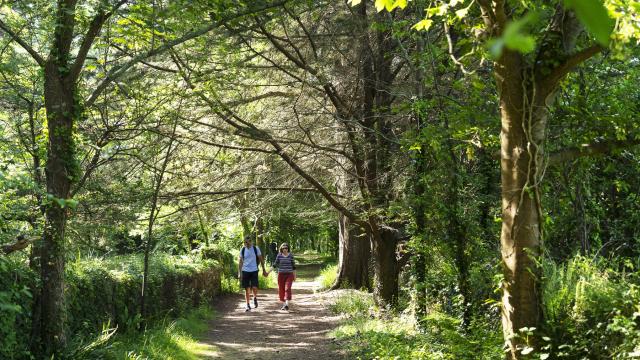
(248, 271)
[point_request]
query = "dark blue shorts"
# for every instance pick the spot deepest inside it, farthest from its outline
(250, 279)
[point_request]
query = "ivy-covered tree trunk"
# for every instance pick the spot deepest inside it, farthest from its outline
(60, 170)
(522, 136)
(61, 74)
(527, 88)
(419, 258)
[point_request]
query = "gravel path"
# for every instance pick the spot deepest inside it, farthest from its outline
(269, 333)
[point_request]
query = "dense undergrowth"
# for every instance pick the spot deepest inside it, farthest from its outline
(592, 311)
(103, 294)
(168, 339)
(367, 335)
(327, 277)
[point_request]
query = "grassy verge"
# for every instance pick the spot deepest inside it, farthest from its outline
(327, 277)
(396, 337)
(176, 340)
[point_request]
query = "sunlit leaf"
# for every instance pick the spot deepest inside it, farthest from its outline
(423, 24)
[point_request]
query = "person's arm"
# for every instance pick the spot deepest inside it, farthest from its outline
(261, 259)
(293, 266)
(240, 267)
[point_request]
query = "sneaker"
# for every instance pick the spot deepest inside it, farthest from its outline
(255, 302)
(286, 307)
(248, 308)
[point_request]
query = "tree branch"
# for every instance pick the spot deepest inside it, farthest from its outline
(34, 54)
(593, 149)
(118, 71)
(94, 29)
(21, 243)
(563, 69)
(228, 116)
(239, 191)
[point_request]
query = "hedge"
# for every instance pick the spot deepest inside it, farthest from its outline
(103, 291)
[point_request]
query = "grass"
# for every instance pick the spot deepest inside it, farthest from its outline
(394, 336)
(312, 257)
(327, 277)
(171, 340)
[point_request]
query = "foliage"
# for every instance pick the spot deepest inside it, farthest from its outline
(15, 298)
(428, 121)
(106, 291)
(352, 303)
(327, 277)
(168, 339)
(591, 309)
(368, 337)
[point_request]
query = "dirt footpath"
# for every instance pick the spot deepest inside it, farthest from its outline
(270, 333)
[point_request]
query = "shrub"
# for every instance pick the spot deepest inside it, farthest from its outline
(352, 303)
(395, 336)
(168, 339)
(591, 311)
(15, 307)
(327, 277)
(101, 291)
(108, 290)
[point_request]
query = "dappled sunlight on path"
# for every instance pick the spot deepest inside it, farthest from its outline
(270, 333)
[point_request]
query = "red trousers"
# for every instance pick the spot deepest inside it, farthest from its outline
(285, 280)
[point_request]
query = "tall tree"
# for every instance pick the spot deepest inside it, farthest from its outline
(62, 71)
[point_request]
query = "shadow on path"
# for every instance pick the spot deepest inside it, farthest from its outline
(270, 333)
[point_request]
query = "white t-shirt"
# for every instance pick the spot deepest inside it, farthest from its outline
(249, 262)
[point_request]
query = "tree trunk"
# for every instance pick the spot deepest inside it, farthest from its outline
(203, 228)
(36, 253)
(260, 234)
(60, 170)
(523, 129)
(353, 257)
(153, 213)
(383, 246)
(581, 223)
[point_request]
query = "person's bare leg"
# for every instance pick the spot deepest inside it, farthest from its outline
(255, 296)
(247, 295)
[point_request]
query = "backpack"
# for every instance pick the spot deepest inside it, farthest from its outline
(255, 251)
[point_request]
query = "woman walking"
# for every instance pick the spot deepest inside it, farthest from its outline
(286, 274)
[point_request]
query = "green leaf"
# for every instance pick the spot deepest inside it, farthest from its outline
(423, 25)
(381, 4)
(514, 37)
(60, 202)
(10, 308)
(495, 47)
(595, 17)
(72, 203)
(399, 3)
